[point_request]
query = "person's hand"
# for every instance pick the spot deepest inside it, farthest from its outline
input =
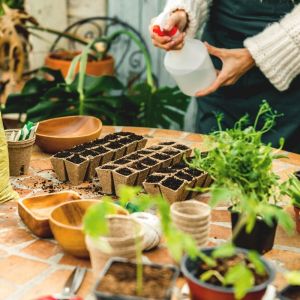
(179, 19)
(236, 62)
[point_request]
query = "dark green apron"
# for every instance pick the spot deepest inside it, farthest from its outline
(230, 23)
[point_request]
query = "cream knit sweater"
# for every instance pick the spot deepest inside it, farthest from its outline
(276, 50)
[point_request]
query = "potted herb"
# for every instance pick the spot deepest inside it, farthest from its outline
(142, 280)
(292, 189)
(241, 166)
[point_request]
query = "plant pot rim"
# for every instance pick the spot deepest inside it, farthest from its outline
(227, 290)
(124, 260)
(106, 59)
(73, 227)
(124, 238)
(176, 205)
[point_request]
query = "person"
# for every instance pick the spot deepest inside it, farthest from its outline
(255, 47)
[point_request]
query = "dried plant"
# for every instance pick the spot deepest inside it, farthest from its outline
(13, 46)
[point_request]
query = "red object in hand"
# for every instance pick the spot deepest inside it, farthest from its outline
(158, 31)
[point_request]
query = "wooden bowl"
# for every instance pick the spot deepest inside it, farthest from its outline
(59, 134)
(35, 211)
(66, 225)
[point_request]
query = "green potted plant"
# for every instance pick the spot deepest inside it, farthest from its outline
(241, 167)
(101, 96)
(253, 272)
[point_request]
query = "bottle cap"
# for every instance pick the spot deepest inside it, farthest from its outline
(159, 25)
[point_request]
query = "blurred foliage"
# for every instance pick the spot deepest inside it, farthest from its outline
(17, 4)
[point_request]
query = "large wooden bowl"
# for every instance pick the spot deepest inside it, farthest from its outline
(66, 225)
(63, 133)
(35, 210)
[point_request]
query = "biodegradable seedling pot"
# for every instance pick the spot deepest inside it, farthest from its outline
(142, 170)
(141, 144)
(173, 189)
(187, 151)
(151, 163)
(106, 178)
(165, 159)
(291, 292)
(175, 154)
(58, 164)
(192, 217)
(152, 184)
(207, 291)
(19, 153)
(124, 176)
(260, 239)
(106, 155)
(94, 160)
(76, 167)
(158, 281)
(122, 240)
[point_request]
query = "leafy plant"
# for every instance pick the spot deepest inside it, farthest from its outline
(104, 97)
(241, 166)
(239, 276)
(292, 189)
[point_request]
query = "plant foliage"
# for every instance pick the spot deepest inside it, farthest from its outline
(241, 166)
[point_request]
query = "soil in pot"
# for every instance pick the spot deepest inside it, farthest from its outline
(193, 172)
(166, 171)
(154, 179)
(213, 288)
(76, 167)
(114, 145)
(157, 281)
(172, 183)
(149, 161)
(100, 150)
(89, 153)
(144, 152)
(138, 166)
(124, 171)
(290, 293)
(161, 156)
(260, 239)
(184, 176)
(63, 154)
(181, 147)
(167, 143)
(78, 149)
(76, 159)
(134, 156)
(122, 161)
(155, 148)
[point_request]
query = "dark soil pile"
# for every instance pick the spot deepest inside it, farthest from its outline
(62, 154)
(101, 150)
(134, 156)
(122, 278)
(78, 149)
(124, 171)
(114, 145)
(167, 143)
(76, 159)
(87, 153)
(148, 161)
(193, 172)
(161, 156)
(121, 161)
(172, 183)
(154, 179)
(184, 176)
(138, 166)
(181, 147)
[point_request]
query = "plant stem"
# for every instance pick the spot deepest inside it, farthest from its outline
(241, 223)
(139, 263)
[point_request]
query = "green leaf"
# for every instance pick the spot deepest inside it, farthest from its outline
(211, 273)
(293, 277)
(223, 251)
(254, 258)
(241, 278)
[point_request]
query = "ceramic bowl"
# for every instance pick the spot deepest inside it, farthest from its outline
(63, 133)
(66, 225)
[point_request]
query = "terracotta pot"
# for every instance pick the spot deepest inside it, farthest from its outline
(94, 68)
(123, 234)
(297, 218)
(201, 290)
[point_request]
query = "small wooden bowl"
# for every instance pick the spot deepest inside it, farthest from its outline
(35, 211)
(59, 134)
(66, 225)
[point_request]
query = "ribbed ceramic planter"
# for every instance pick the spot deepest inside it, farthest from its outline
(124, 232)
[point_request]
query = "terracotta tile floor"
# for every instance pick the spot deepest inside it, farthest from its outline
(31, 267)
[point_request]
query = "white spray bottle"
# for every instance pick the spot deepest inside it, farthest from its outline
(191, 67)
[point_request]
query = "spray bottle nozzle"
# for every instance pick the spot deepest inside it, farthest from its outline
(159, 25)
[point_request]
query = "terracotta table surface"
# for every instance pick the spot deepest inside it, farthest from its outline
(31, 267)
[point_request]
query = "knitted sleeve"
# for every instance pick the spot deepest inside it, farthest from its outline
(197, 11)
(276, 50)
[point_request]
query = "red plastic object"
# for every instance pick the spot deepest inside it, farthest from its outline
(158, 31)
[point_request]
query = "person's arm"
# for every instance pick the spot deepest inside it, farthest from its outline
(276, 50)
(197, 12)
(187, 15)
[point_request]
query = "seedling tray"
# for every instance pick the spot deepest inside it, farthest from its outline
(134, 168)
(174, 182)
(79, 163)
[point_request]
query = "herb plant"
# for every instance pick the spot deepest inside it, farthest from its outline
(240, 276)
(241, 166)
(292, 189)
